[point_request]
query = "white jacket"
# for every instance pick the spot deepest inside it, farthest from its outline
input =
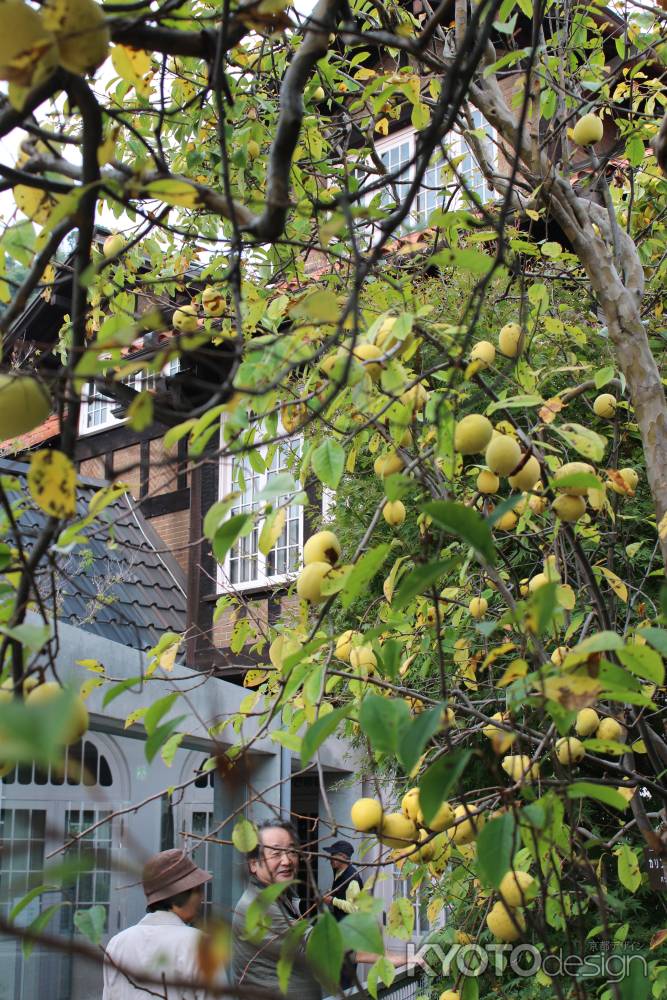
(160, 944)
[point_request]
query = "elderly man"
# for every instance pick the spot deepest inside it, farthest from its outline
(163, 945)
(275, 859)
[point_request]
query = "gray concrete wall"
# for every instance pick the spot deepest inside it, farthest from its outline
(136, 834)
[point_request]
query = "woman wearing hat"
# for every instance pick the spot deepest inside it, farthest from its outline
(162, 947)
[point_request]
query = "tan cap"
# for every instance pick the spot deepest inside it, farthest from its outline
(170, 872)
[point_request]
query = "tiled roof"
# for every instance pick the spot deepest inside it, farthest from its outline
(49, 429)
(121, 584)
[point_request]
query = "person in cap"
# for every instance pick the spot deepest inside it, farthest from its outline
(162, 945)
(344, 875)
(275, 859)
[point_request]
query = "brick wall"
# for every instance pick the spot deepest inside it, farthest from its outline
(163, 469)
(126, 466)
(174, 530)
(92, 468)
(258, 613)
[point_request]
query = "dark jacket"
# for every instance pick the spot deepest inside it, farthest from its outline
(340, 885)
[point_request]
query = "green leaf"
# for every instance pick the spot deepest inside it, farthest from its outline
(328, 461)
(643, 662)
(157, 710)
(635, 985)
(28, 898)
(381, 720)
(288, 950)
(244, 835)
(629, 871)
(320, 731)
(657, 638)
(401, 919)
(390, 658)
(382, 971)
(216, 514)
(119, 689)
(543, 603)
(589, 790)
(319, 306)
(514, 402)
(420, 579)
(576, 480)
(279, 485)
(324, 951)
(603, 376)
(226, 535)
(363, 572)
(464, 260)
(140, 411)
(439, 779)
(159, 737)
(495, 849)
(465, 523)
(39, 924)
(414, 737)
(361, 933)
(470, 990)
(91, 922)
(599, 643)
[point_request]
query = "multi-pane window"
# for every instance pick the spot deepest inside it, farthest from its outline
(83, 764)
(202, 825)
(97, 409)
(93, 885)
(439, 187)
(475, 180)
(246, 566)
(22, 835)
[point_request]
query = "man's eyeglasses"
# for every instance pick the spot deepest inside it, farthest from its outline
(273, 853)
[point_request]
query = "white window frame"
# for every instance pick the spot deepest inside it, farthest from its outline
(262, 581)
(457, 146)
(135, 382)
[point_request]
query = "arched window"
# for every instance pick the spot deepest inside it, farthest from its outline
(83, 764)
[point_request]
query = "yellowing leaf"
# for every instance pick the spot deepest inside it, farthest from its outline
(614, 581)
(516, 669)
(140, 411)
(496, 653)
(89, 686)
(52, 483)
(390, 583)
(532, 214)
(135, 716)
(107, 149)
(319, 306)
(566, 596)
(551, 408)
(254, 677)
(658, 938)
(639, 746)
(133, 66)
(382, 126)
(272, 530)
(173, 192)
(573, 691)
